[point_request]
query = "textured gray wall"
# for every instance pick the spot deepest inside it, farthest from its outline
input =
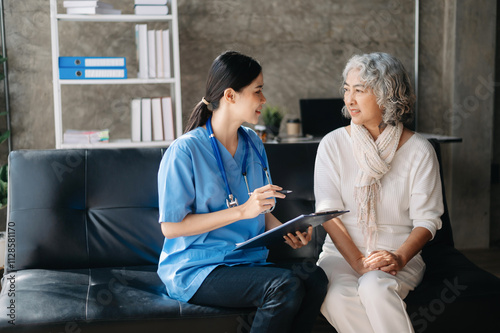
(302, 48)
(473, 96)
(302, 45)
(457, 89)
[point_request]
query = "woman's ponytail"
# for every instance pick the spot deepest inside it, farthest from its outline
(198, 117)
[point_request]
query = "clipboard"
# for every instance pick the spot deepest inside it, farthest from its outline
(300, 223)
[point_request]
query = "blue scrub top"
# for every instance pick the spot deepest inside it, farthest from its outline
(189, 181)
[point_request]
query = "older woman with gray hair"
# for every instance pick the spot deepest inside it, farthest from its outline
(388, 178)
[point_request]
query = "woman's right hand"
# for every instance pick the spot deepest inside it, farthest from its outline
(344, 243)
(261, 199)
(359, 266)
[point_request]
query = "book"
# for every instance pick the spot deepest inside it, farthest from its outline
(159, 53)
(135, 118)
(83, 137)
(150, 10)
(150, 2)
(166, 53)
(168, 119)
(92, 10)
(92, 62)
(72, 73)
(151, 53)
(86, 3)
(141, 39)
(157, 119)
(146, 124)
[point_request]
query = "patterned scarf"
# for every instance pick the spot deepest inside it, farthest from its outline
(373, 159)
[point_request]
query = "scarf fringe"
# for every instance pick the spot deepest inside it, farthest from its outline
(366, 198)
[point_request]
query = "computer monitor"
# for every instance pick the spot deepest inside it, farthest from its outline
(321, 116)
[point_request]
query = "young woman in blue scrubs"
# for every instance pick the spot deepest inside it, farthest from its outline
(214, 192)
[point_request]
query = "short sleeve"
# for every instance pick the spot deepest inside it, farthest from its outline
(176, 191)
(327, 177)
(426, 201)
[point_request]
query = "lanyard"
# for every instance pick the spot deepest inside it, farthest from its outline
(231, 201)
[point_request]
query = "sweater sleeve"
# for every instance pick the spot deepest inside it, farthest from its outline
(426, 199)
(327, 177)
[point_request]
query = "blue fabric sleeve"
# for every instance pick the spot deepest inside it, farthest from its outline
(176, 191)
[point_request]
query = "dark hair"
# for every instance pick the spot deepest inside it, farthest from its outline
(231, 69)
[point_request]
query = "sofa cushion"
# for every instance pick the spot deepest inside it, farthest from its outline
(454, 288)
(73, 209)
(47, 300)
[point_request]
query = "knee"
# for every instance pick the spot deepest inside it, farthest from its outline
(376, 285)
(286, 289)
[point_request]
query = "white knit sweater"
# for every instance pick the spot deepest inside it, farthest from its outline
(410, 196)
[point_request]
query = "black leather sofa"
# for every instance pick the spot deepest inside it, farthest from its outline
(83, 242)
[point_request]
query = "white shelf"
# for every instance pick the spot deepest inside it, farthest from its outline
(174, 82)
(116, 81)
(115, 144)
(113, 18)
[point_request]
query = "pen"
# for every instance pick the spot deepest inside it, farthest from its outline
(285, 191)
(281, 191)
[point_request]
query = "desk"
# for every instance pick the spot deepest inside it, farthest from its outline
(441, 138)
(308, 139)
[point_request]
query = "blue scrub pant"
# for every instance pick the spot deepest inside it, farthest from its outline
(287, 299)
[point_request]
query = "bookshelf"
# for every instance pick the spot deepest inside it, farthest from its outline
(174, 82)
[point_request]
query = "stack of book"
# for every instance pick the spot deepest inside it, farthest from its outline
(71, 68)
(153, 52)
(89, 7)
(152, 119)
(151, 7)
(84, 137)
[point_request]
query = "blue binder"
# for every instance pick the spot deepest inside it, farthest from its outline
(92, 62)
(72, 73)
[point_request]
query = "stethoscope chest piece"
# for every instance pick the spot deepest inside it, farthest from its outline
(231, 201)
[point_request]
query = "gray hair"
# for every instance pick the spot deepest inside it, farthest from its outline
(389, 81)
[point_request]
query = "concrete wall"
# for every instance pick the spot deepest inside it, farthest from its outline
(473, 120)
(302, 45)
(457, 92)
(495, 187)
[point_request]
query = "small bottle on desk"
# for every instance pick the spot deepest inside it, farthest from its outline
(261, 132)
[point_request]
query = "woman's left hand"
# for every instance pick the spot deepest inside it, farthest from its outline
(385, 261)
(299, 239)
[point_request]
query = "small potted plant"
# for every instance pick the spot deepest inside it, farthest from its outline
(272, 117)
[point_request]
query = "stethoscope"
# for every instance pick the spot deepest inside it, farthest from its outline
(231, 200)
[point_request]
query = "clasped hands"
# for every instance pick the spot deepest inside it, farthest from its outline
(383, 260)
